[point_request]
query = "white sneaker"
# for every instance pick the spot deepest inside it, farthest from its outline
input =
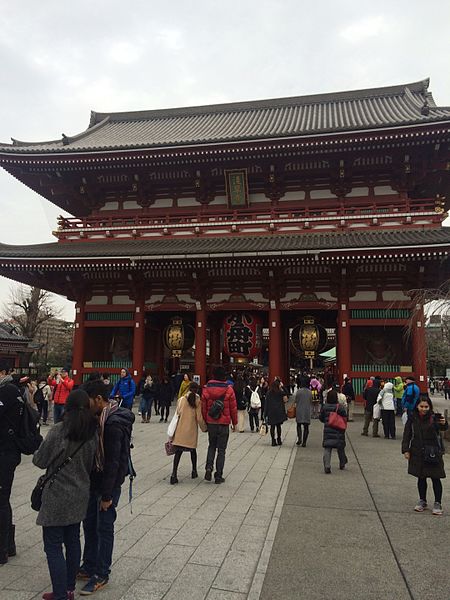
(437, 509)
(421, 506)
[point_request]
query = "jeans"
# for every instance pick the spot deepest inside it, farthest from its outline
(145, 406)
(8, 464)
(327, 457)
(253, 417)
(98, 529)
(58, 412)
(218, 439)
(63, 571)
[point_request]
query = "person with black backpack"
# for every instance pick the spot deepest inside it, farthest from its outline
(112, 465)
(10, 410)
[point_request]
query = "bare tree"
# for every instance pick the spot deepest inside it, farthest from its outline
(29, 307)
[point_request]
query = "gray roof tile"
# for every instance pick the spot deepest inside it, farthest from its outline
(156, 249)
(393, 106)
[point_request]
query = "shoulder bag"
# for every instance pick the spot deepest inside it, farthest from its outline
(337, 421)
(36, 494)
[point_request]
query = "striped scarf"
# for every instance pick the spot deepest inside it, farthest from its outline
(100, 454)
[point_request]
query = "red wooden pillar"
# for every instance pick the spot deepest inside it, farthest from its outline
(275, 355)
(344, 351)
(419, 349)
(78, 343)
(139, 340)
(200, 344)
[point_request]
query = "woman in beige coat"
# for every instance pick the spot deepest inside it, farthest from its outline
(186, 434)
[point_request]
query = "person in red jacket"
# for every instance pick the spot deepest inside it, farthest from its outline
(219, 428)
(62, 386)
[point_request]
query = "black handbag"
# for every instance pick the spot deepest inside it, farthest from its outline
(36, 494)
(432, 455)
(216, 409)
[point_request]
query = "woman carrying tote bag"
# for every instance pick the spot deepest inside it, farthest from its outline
(65, 495)
(186, 433)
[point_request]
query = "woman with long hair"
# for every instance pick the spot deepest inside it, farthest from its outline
(275, 412)
(186, 434)
(165, 395)
(184, 385)
(71, 443)
(421, 446)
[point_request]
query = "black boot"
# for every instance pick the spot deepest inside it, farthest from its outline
(279, 441)
(274, 442)
(12, 541)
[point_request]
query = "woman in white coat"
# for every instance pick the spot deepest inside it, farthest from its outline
(386, 401)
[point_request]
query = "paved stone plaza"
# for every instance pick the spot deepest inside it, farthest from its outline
(348, 535)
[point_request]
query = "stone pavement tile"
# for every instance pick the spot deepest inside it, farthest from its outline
(250, 539)
(237, 571)
(159, 507)
(216, 594)
(349, 547)
(10, 572)
(177, 517)
(258, 517)
(136, 528)
(146, 590)
(213, 549)
(151, 544)
(228, 522)
(33, 579)
(168, 564)
(194, 580)
(211, 509)
(32, 557)
(191, 534)
(126, 570)
(16, 595)
(426, 537)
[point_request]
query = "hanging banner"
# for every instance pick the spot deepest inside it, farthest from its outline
(236, 185)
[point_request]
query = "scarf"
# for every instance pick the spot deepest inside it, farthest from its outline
(100, 453)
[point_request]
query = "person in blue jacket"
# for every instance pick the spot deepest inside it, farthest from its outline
(125, 388)
(411, 395)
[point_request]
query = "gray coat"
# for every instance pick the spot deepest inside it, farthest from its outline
(65, 501)
(303, 399)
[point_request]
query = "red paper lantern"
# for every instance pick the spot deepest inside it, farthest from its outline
(242, 335)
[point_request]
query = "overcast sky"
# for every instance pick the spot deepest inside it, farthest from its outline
(62, 58)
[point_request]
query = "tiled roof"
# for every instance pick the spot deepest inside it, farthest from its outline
(201, 248)
(383, 107)
(8, 333)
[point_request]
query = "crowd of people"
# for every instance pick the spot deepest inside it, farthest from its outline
(87, 453)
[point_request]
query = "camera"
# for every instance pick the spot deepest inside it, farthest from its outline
(437, 417)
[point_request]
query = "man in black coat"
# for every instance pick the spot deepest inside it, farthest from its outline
(9, 457)
(112, 464)
(370, 396)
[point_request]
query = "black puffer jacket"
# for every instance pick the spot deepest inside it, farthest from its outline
(332, 438)
(117, 435)
(418, 433)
